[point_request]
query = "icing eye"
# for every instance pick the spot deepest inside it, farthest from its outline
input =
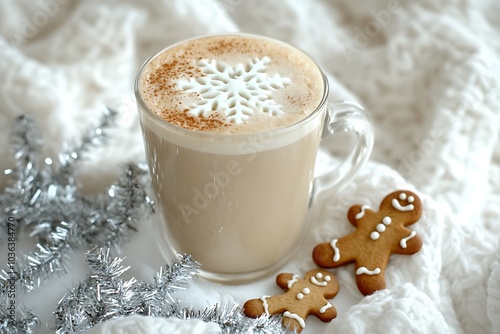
(411, 199)
(327, 278)
(319, 275)
(402, 196)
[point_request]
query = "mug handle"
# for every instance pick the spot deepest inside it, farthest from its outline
(344, 116)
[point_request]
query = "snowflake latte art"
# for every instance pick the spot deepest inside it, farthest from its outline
(232, 85)
(232, 152)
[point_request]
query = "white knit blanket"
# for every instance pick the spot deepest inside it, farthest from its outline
(427, 71)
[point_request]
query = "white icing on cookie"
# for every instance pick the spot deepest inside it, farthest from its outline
(292, 281)
(364, 270)
(402, 196)
(336, 255)
(404, 240)
(387, 220)
(314, 280)
(290, 315)
(411, 199)
(398, 206)
(305, 291)
(379, 229)
(264, 304)
(326, 307)
(361, 214)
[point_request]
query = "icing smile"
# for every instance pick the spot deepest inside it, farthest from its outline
(398, 206)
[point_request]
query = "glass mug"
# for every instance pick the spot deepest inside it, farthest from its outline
(237, 203)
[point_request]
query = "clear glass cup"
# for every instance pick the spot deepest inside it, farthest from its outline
(238, 202)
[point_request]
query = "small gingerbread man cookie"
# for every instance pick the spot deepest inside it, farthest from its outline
(377, 236)
(302, 297)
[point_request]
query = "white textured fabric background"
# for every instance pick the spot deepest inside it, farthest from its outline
(428, 72)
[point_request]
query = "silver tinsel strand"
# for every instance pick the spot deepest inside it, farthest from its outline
(44, 200)
(25, 322)
(106, 295)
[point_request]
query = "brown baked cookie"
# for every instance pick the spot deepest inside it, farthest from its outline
(301, 298)
(377, 236)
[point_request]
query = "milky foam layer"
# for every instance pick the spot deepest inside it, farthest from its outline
(231, 84)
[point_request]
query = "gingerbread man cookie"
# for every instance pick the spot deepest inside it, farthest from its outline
(377, 236)
(301, 298)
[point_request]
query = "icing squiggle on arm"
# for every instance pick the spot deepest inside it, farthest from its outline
(361, 214)
(264, 304)
(326, 307)
(336, 255)
(403, 241)
(364, 270)
(292, 281)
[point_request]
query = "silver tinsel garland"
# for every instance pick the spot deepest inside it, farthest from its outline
(105, 295)
(26, 321)
(44, 201)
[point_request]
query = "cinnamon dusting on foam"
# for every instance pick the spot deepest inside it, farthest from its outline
(160, 90)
